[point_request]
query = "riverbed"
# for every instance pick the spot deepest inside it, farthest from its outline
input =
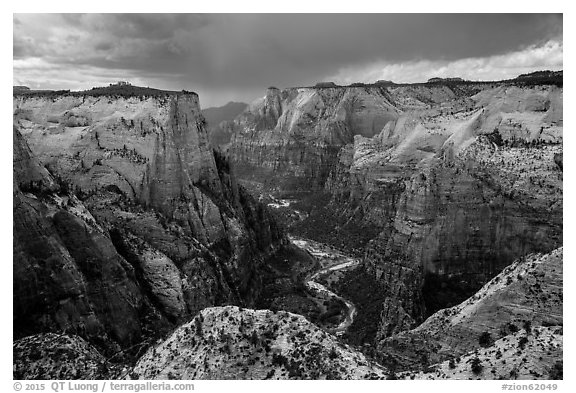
(330, 260)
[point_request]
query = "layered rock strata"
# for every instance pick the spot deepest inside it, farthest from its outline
(445, 183)
(125, 219)
(520, 307)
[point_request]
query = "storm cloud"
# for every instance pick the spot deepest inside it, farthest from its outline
(236, 56)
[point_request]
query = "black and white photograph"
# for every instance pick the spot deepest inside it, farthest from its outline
(286, 196)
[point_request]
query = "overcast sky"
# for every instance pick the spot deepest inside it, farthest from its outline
(227, 57)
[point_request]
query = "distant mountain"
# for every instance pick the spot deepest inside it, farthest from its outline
(384, 82)
(218, 117)
(537, 77)
(219, 114)
(121, 89)
(541, 74)
(440, 80)
(325, 84)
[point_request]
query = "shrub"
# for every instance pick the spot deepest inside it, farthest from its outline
(333, 354)
(485, 339)
(513, 373)
(528, 326)
(254, 340)
(522, 342)
(391, 376)
(198, 324)
(557, 371)
(476, 365)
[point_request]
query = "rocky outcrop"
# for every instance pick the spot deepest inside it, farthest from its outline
(126, 221)
(233, 343)
(521, 304)
(28, 173)
(533, 355)
(53, 356)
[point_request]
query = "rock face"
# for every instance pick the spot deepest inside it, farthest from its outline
(520, 306)
(299, 132)
(473, 200)
(154, 150)
(233, 343)
(445, 183)
(126, 222)
(53, 356)
(67, 274)
(520, 355)
(295, 134)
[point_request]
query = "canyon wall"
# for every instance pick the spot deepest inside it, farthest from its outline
(481, 188)
(525, 300)
(290, 139)
(446, 184)
(126, 222)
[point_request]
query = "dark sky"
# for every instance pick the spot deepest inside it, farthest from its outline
(227, 57)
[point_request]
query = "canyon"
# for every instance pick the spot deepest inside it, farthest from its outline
(436, 186)
(337, 232)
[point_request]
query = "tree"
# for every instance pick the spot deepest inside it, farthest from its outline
(514, 373)
(391, 376)
(254, 338)
(528, 326)
(476, 365)
(557, 371)
(485, 339)
(198, 324)
(333, 354)
(522, 342)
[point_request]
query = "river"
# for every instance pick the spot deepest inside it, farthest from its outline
(330, 260)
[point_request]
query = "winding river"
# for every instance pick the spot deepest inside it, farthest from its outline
(330, 260)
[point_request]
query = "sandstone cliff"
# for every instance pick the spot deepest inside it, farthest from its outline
(298, 132)
(292, 137)
(67, 274)
(521, 355)
(441, 185)
(514, 324)
(476, 191)
(125, 219)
